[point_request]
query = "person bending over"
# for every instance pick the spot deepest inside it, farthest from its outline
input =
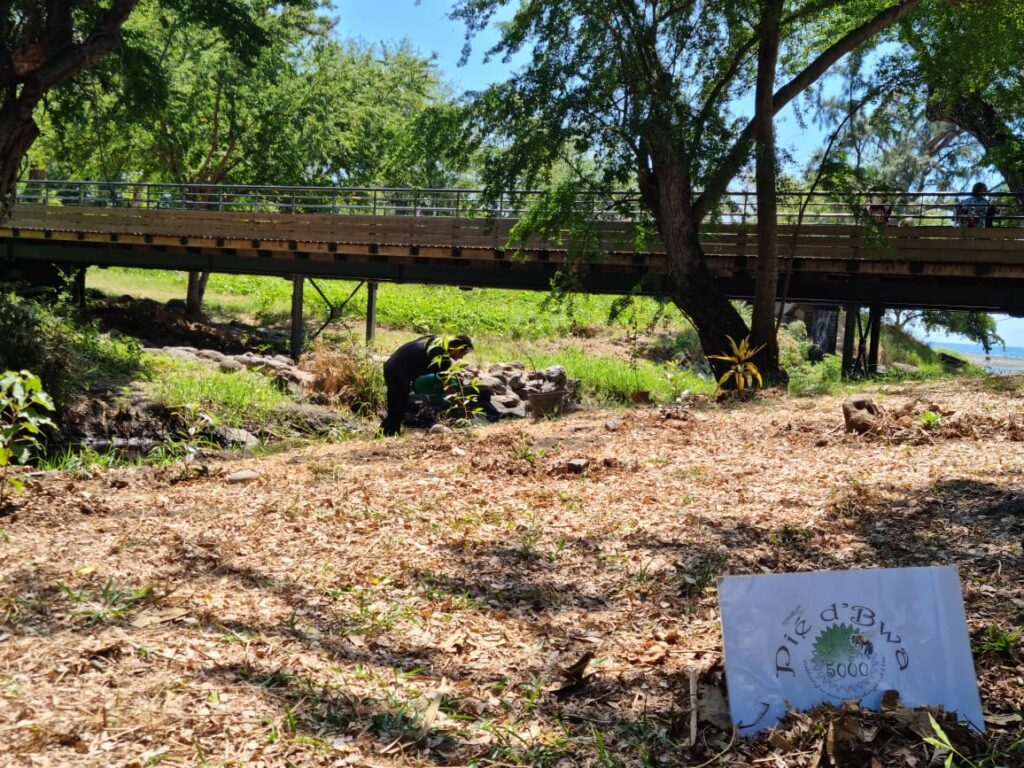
(427, 354)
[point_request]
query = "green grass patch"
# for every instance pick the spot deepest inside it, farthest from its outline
(613, 380)
(822, 378)
(240, 399)
(419, 308)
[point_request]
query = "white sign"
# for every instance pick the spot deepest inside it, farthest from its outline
(809, 638)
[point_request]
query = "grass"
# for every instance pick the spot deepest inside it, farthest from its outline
(240, 399)
(419, 308)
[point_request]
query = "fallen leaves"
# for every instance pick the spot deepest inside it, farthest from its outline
(413, 602)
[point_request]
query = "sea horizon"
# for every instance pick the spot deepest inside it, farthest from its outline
(973, 348)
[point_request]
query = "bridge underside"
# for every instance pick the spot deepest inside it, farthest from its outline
(891, 290)
(923, 267)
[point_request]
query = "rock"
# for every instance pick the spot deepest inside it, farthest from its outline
(950, 362)
(236, 437)
(177, 353)
(440, 429)
(613, 425)
(211, 354)
(860, 413)
(244, 476)
(227, 365)
(577, 466)
(114, 333)
(904, 367)
(556, 375)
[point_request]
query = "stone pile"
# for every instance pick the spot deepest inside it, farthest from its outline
(511, 385)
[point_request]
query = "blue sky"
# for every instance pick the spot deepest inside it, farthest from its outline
(427, 27)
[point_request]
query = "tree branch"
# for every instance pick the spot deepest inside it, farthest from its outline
(740, 150)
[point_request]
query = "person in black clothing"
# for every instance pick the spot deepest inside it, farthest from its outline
(427, 354)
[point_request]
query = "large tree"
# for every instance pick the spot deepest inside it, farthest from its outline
(44, 44)
(645, 87)
(970, 64)
(302, 109)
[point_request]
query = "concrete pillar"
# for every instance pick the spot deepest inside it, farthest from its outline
(850, 337)
(298, 330)
(875, 325)
(78, 287)
(371, 311)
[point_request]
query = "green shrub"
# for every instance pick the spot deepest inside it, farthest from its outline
(816, 379)
(43, 335)
(21, 399)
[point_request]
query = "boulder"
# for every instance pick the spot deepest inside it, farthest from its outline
(556, 375)
(236, 437)
(860, 413)
(228, 365)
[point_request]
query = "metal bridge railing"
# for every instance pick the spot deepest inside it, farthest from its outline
(900, 208)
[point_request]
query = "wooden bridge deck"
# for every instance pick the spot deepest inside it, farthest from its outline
(898, 266)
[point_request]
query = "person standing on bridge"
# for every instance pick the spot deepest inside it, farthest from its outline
(427, 354)
(975, 211)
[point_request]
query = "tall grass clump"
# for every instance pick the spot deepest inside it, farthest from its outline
(44, 334)
(348, 375)
(240, 399)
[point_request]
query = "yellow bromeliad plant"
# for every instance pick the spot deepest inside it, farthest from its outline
(740, 363)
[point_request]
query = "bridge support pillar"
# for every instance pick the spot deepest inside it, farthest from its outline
(850, 337)
(875, 326)
(371, 311)
(298, 330)
(78, 287)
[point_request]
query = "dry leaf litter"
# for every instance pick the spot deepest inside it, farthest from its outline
(529, 593)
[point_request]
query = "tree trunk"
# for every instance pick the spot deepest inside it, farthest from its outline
(763, 333)
(194, 295)
(693, 288)
(17, 132)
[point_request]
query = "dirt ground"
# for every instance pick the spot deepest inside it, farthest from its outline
(417, 602)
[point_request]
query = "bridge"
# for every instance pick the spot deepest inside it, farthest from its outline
(832, 251)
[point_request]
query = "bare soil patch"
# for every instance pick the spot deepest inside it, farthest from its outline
(423, 601)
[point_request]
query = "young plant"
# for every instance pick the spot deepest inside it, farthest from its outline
(21, 394)
(193, 436)
(741, 366)
(943, 746)
(463, 394)
(929, 419)
(997, 640)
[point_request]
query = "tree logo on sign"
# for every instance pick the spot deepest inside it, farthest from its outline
(844, 649)
(843, 662)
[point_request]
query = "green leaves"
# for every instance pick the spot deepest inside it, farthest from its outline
(21, 394)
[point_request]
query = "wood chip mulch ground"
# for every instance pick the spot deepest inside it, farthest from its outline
(474, 599)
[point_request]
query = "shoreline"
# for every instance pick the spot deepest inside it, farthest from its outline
(995, 363)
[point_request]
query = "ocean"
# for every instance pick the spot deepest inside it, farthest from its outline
(1008, 360)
